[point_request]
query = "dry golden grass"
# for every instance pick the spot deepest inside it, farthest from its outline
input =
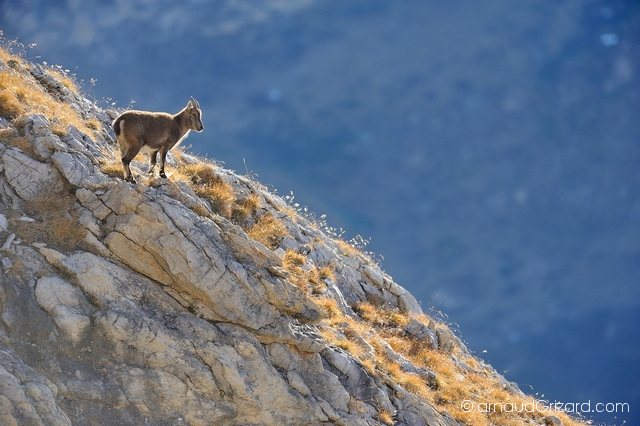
(335, 337)
(349, 346)
(381, 317)
(386, 418)
(293, 261)
(244, 210)
(10, 106)
(317, 282)
(12, 138)
(312, 279)
(21, 94)
(206, 183)
(317, 277)
(196, 173)
(332, 320)
(327, 272)
(330, 307)
(409, 381)
(56, 222)
(200, 210)
(111, 169)
(220, 195)
(346, 248)
(454, 386)
(268, 230)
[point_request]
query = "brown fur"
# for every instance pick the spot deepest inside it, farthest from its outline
(150, 132)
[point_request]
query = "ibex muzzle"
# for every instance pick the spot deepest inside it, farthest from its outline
(150, 132)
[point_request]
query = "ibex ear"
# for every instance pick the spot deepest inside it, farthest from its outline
(194, 103)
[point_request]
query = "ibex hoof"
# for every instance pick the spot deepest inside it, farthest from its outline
(163, 176)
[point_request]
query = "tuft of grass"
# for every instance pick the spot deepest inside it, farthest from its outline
(12, 137)
(410, 382)
(196, 173)
(206, 183)
(111, 169)
(10, 105)
(327, 272)
(329, 306)
(317, 277)
(311, 279)
(293, 261)
(347, 249)
(5, 53)
(348, 346)
(381, 317)
(386, 417)
(339, 340)
(244, 210)
(200, 210)
(56, 222)
(94, 124)
(268, 231)
(220, 195)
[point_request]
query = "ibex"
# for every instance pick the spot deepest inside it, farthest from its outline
(150, 132)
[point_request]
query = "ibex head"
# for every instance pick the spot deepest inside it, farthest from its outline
(194, 115)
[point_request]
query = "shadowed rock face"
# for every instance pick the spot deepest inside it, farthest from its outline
(166, 316)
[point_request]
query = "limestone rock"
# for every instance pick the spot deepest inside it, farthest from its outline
(26, 396)
(78, 170)
(4, 224)
(447, 341)
(28, 177)
(65, 304)
(552, 421)
(44, 142)
(421, 332)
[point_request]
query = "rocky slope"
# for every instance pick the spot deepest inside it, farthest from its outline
(202, 299)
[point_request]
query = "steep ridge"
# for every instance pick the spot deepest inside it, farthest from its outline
(202, 299)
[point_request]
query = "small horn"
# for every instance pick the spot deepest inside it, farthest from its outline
(195, 103)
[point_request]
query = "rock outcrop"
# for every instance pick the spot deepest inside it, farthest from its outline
(168, 313)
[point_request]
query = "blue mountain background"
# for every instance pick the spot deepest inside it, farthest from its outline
(490, 151)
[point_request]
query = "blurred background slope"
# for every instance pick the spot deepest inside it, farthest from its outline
(489, 150)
